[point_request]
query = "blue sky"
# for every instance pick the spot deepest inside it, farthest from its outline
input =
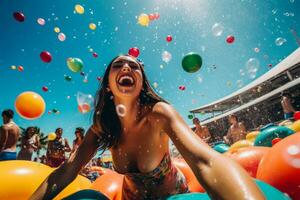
(253, 23)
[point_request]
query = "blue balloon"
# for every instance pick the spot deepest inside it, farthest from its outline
(265, 137)
(221, 148)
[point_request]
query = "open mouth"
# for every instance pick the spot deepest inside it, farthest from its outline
(126, 81)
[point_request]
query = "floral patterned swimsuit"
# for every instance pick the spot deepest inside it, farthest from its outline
(163, 181)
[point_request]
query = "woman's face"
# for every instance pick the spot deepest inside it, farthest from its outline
(125, 77)
(31, 132)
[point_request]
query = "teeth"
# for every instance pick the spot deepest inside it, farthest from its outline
(125, 77)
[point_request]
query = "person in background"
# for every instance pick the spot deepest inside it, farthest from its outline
(236, 131)
(201, 131)
(287, 106)
(56, 149)
(79, 133)
(29, 143)
(9, 135)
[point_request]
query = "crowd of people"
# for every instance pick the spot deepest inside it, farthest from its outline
(57, 150)
(237, 130)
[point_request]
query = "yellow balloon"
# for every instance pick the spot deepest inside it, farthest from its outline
(51, 136)
(13, 67)
(92, 26)
(79, 9)
(241, 144)
(252, 135)
(19, 179)
(295, 126)
(56, 30)
(143, 19)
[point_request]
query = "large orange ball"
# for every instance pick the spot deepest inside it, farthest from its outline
(280, 166)
(248, 157)
(30, 105)
(109, 184)
(19, 179)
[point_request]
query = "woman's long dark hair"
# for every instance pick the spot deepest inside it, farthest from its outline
(105, 114)
(26, 135)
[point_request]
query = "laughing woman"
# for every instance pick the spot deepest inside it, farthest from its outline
(135, 124)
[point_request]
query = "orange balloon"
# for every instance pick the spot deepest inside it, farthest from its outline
(30, 105)
(248, 157)
(84, 108)
(110, 185)
(194, 185)
(19, 179)
(280, 166)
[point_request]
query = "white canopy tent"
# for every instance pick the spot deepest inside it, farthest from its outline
(290, 61)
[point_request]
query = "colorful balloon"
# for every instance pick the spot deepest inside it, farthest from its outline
(92, 26)
(134, 51)
(31, 175)
(143, 19)
(13, 67)
(166, 56)
(151, 16)
(20, 68)
(41, 21)
(230, 39)
(68, 78)
(61, 37)
(191, 62)
(45, 56)
(30, 105)
(99, 78)
(275, 140)
(217, 29)
(19, 16)
(45, 89)
(95, 55)
(280, 166)
(190, 116)
(75, 64)
(56, 30)
(181, 87)
(169, 38)
(84, 102)
(297, 115)
(79, 9)
(51, 136)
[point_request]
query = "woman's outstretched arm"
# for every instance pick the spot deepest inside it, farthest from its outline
(67, 172)
(221, 177)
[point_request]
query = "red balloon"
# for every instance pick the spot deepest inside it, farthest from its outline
(134, 51)
(19, 16)
(99, 78)
(95, 55)
(169, 38)
(20, 68)
(156, 15)
(46, 56)
(275, 140)
(230, 39)
(151, 17)
(182, 87)
(280, 166)
(248, 157)
(45, 89)
(297, 115)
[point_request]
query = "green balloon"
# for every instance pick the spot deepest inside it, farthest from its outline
(75, 64)
(265, 137)
(68, 78)
(191, 62)
(190, 116)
